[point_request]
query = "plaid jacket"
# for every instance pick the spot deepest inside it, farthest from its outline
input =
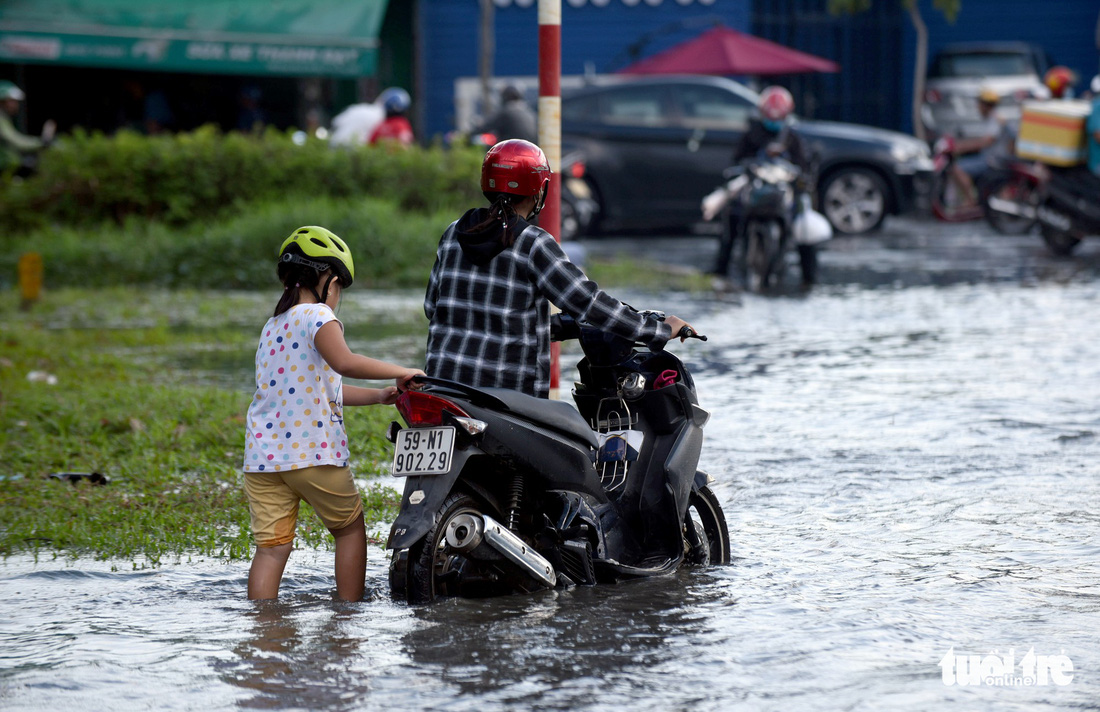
(489, 307)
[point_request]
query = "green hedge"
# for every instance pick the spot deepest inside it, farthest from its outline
(87, 178)
(391, 247)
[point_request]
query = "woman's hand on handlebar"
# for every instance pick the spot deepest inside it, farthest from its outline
(681, 329)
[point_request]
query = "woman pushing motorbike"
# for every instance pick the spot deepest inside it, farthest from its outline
(495, 276)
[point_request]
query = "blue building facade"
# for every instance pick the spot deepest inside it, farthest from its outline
(876, 49)
(597, 36)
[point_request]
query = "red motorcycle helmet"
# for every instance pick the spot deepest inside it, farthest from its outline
(776, 103)
(1059, 80)
(516, 167)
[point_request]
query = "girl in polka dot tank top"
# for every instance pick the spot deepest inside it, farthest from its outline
(296, 445)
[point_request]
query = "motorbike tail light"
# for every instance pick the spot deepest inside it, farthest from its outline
(932, 96)
(577, 170)
(423, 409)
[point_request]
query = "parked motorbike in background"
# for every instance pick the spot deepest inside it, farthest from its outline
(579, 208)
(507, 493)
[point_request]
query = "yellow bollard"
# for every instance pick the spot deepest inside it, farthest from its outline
(30, 279)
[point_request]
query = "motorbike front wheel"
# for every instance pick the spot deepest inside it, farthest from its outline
(706, 537)
(430, 569)
(764, 253)
(1018, 192)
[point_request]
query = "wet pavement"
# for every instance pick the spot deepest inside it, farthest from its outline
(909, 462)
(905, 251)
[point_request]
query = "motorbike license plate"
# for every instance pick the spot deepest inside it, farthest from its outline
(423, 451)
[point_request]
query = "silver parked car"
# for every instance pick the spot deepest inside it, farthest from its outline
(958, 73)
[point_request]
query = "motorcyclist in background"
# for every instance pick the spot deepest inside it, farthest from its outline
(395, 128)
(17, 150)
(1060, 81)
(771, 136)
(992, 147)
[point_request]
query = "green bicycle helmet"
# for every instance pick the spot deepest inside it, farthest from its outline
(320, 249)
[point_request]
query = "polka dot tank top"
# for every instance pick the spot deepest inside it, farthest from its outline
(296, 418)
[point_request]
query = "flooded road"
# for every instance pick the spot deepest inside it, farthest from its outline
(908, 461)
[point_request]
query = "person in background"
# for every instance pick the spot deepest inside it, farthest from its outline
(1092, 128)
(159, 116)
(296, 446)
(395, 128)
(770, 135)
(994, 145)
(496, 275)
(250, 116)
(17, 150)
(513, 119)
(1060, 80)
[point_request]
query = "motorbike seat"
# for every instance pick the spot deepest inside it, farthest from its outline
(554, 414)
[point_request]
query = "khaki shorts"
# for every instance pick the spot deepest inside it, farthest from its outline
(273, 499)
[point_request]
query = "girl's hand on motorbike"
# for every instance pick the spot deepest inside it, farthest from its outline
(388, 395)
(405, 382)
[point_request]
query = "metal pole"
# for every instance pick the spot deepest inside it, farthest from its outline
(550, 136)
(487, 42)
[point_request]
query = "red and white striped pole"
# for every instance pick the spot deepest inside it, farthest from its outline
(550, 136)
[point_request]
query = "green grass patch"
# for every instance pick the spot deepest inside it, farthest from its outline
(627, 272)
(391, 247)
(87, 384)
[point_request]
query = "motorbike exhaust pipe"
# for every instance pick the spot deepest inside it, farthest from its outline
(515, 550)
(464, 533)
(1009, 207)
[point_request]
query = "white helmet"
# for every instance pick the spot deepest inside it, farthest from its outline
(8, 90)
(1095, 86)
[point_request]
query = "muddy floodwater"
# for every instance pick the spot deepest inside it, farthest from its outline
(908, 461)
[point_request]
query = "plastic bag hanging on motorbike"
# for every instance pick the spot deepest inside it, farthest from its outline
(811, 227)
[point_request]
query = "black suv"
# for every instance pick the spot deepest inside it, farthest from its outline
(655, 146)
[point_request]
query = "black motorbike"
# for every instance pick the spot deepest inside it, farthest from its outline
(763, 213)
(1067, 209)
(508, 493)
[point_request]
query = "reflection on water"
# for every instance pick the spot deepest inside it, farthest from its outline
(295, 658)
(904, 471)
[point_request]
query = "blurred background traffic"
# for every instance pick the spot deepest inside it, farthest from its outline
(658, 93)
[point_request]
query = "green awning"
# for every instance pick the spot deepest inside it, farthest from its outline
(334, 38)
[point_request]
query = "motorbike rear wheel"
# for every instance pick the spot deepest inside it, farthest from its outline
(706, 536)
(1060, 243)
(429, 569)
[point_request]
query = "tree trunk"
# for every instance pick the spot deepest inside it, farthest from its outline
(919, 68)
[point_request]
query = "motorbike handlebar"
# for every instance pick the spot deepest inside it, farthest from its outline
(686, 332)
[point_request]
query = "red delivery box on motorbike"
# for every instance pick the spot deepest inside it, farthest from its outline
(1053, 132)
